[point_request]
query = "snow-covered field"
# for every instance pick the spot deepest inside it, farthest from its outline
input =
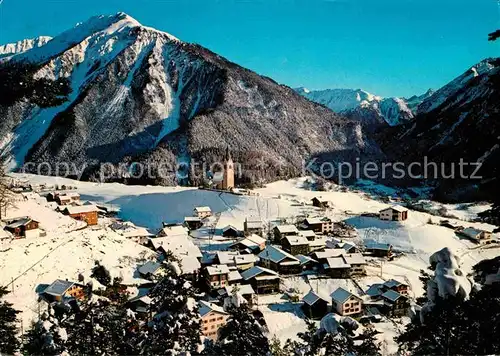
(64, 253)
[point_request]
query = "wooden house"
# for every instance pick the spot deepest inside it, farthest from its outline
(295, 245)
(357, 263)
(236, 260)
(23, 227)
(319, 225)
(394, 213)
(280, 261)
(262, 280)
(378, 249)
(396, 286)
(245, 290)
(61, 290)
(346, 303)
(476, 235)
(172, 230)
(250, 244)
(253, 227)
(395, 304)
(140, 304)
(202, 212)
(282, 231)
(150, 269)
(320, 202)
(193, 222)
(231, 231)
(213, 317)
(314, 306)
(86, 213)
(217, 276)
(321, 256)
(337, 267)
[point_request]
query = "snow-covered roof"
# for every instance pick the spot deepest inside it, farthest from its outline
(203, 209)
(81, 209)
(276, 254)
(254, 224)
(312, 297)
(341, 295)
(257, 239)
(354, 259)
(58, 287)
(180, 245)
(317, 242)
(190, 264)
(391, 295)
(287, 229)
(20, 222)
(234, 276)
(234, 258)
(313, 221)
(247, 243)
(230, 227)
(207, 307)
(472, 232)
(257, 271)
(373, 245)
(243, 289)
(329, 252)
(320, 199)
(398, 208)
(337, 263)
(217, 269)
(296, 240)
(375, 290)
(192, 219)
(174, 230)
(143, 298)
(149, 267)
(307, 233)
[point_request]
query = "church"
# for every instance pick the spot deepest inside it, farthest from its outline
(225, 180)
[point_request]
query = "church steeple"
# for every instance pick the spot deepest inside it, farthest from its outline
(228, 154)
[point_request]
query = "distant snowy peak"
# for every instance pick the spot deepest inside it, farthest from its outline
(481, 69)
(365, 107)
(23, 45)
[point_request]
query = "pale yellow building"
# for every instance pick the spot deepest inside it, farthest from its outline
(227, 182)
(345, 303)
(213, 317)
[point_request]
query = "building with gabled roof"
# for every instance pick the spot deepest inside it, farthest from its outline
(231, 231)
(22, 227)
(150, 269)
(346, 303)
(86, 213)
(213, 317)
(321, 256)
(378, 249)
(279, 260)
(253, 227)
(61, 290)
(235, 259)
(193, 222)
(319, 225)
(262, 280)
(280, 231)
(174, 230)
(217, 276)
(320, 202)
(314, 306)
(295, 245)
(202, 212)
(395, 303)
(394, 213)
(476, 235)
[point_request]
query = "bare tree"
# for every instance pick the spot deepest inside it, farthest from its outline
(6, 195)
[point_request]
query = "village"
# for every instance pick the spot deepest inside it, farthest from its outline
(304, 266)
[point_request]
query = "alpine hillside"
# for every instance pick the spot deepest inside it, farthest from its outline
(371, 110)
(459, 121)
(116, 91)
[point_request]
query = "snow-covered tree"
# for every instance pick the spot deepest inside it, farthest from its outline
(9, 343)
(45, 337)
(369, 345)
(241, 336)
(101, 274)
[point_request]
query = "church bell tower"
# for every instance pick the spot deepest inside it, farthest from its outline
(228, 180)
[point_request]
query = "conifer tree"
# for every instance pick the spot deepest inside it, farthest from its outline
(45, 337)
(9, 343)
(369, 346)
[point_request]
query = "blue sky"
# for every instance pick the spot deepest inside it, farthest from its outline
(387, 47)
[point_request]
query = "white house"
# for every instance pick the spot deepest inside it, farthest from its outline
(394, 213)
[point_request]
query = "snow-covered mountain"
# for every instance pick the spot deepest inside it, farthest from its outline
(460, 121)
(23, 46)
(367, 108)
(138, 94)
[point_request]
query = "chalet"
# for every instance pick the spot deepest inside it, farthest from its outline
(349, 247)
(319, 202)
(213, 317)
(280, 261)
(395, 304)
(202, 212)
(357, 262)
(61, 290)
(86, 213)
(230, 231)
(182, 247)
(396, 286)
(314, 306)
(378, 249)
(234, 259)
(337, 267)
(295, 245)
(308, 234)
(193, 222)
(217, 276)
(345, 303)
(173, 230)
(476, 235)
(319, 225)
(394, 213)
(318, 244)
(23, 227)
(140, 304)
(321, 256)
(150, 269)
(262, 280)
(281, 231)
(250, 244)
(253, 227)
